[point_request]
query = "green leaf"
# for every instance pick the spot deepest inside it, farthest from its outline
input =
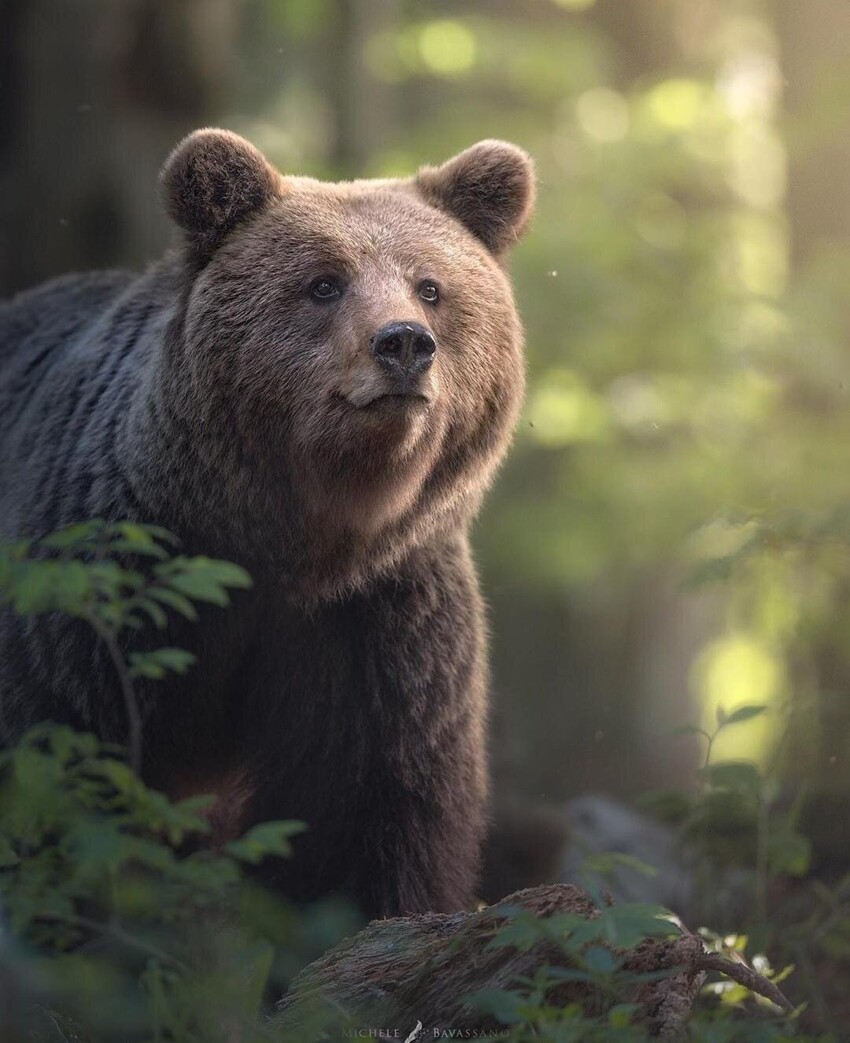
(202, 579)
(255, 964)
(199, 588)
(172, 599)
(625, 925)
(606, 863)
(505, 1006)
(620, 1016)
(47, 586)
(141, 530)
(522, 929)
(67, 744)
(114, 578)
(145, 550)
(155, 665)
(268, 838)
(133, 538)
(789, 854)
(193, 806)
(229, 575)
(599, 960)
(73, 535)
(153, 611)
(744, 713)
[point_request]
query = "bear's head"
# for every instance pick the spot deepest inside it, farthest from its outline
(352, 345)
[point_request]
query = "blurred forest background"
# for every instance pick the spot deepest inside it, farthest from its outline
(671, 532)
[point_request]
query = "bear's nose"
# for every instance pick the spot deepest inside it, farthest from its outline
(406, 348)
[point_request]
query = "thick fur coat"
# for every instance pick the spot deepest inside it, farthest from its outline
(318, 383)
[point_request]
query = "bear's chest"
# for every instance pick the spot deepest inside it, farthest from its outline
(269, 681)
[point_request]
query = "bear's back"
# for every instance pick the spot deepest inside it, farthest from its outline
(49, 339)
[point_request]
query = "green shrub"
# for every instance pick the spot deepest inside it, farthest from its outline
(124, 922)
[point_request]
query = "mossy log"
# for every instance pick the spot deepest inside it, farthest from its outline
(409, 973)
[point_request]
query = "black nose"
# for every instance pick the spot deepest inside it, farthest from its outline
(404, 347)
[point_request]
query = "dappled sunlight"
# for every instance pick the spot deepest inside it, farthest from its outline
(733, 671)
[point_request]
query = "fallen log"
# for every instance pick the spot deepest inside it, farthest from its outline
(406, 978)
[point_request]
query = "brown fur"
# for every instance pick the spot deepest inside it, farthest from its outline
(348, 688)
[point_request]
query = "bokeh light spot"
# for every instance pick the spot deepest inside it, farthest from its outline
(563, 411)
(603, 114)
(735, 670)
(676, 104)
(447, 47)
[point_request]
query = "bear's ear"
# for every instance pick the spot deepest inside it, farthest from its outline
(212, 181)
(489, 188)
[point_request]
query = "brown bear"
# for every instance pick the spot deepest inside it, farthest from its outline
(318, 383)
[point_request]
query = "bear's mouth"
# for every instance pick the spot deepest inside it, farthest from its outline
(398, 400)
(388, 401)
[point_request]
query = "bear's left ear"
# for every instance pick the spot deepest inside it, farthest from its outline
(489, 188)
(213, 180)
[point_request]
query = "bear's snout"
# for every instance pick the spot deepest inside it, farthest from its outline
(404, 350)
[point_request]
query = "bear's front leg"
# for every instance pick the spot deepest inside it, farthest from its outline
(422, 683)
(365, 718)
(423, 692)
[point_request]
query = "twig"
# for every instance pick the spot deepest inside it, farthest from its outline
(747, 977)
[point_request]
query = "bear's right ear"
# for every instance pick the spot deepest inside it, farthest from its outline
(213, 180)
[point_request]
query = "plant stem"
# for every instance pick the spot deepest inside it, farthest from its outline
(131, 703)
(708, 747)
(762, 867)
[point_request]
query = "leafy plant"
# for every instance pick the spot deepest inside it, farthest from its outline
(131, 925)
(81, 571)
(733, 821)
(586, 994)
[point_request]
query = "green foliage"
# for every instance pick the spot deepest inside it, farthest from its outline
(132, 925)
(79, 571)
(82, 571)
(732, 820)
(622, 926)
(592, 948)
(593, 951)
(268, 838)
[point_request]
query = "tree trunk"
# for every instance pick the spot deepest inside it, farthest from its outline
(95, 94)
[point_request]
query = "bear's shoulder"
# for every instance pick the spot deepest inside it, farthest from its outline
(48, 313)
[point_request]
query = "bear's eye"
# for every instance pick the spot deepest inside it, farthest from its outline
(429, 291)
(325, 289)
